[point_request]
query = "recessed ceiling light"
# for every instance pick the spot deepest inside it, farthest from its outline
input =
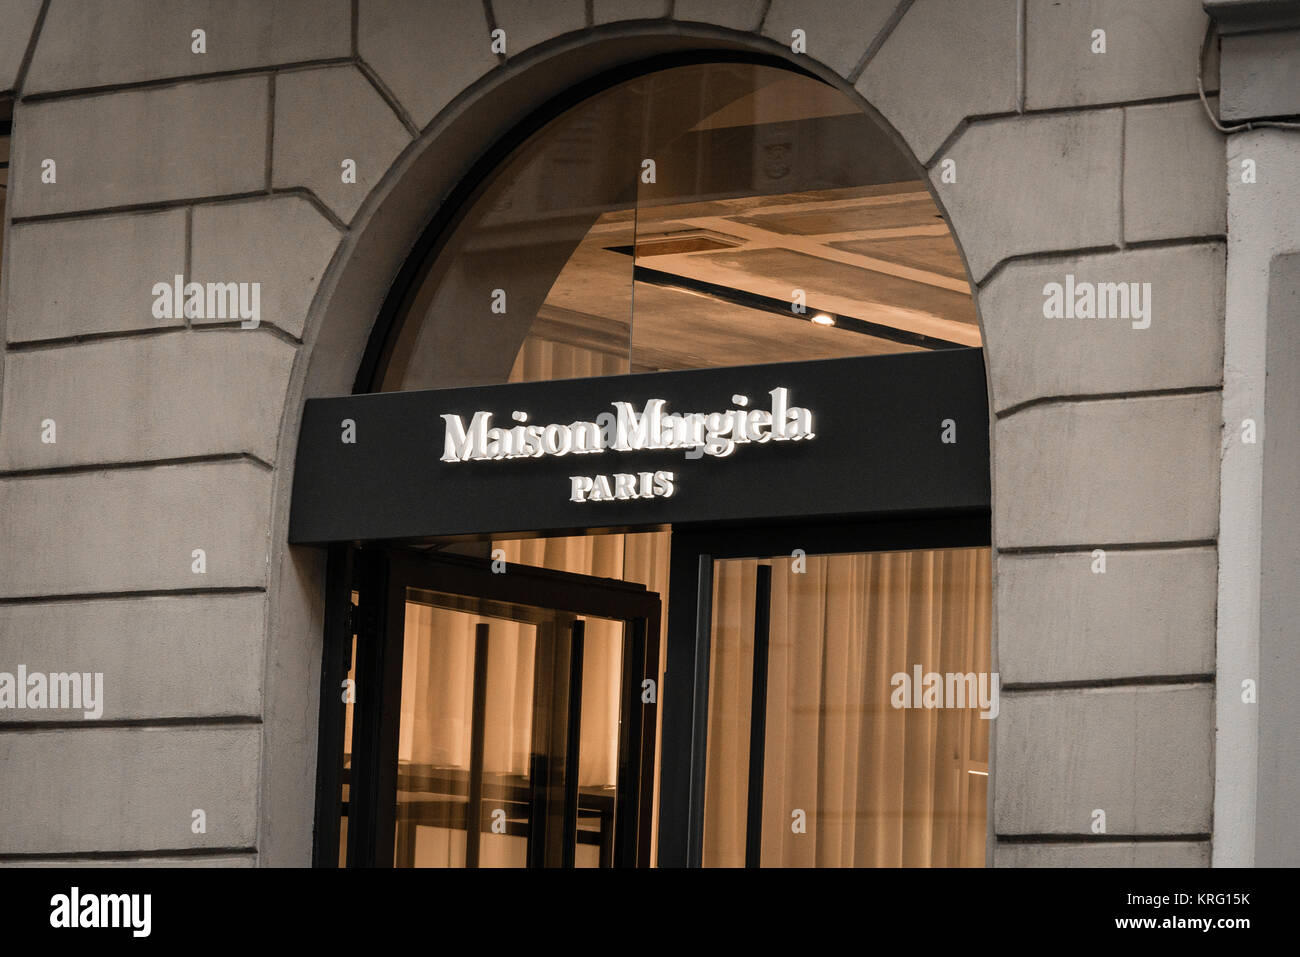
(823, 319)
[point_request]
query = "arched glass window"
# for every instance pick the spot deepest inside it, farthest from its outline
(706, 215)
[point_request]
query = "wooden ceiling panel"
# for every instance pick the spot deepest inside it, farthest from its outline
(821, 222)
(881, 254)
(932, 253)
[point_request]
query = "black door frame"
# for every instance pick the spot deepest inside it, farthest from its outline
(381, 576)
(684, 739)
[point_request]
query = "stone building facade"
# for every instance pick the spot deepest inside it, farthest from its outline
(1123, 691)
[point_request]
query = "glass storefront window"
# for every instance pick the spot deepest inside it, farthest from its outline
(853, 773)
(707, 215)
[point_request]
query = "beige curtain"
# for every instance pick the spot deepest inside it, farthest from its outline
(878, 786)
(438, 685)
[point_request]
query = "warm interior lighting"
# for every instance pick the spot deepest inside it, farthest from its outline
(823, 319)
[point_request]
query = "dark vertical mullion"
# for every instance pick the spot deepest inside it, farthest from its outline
(404, 854)
(389, 705)
(648, 713)
(550, 709)
(372, 592)
(372, 792)
(606, 837)
(540, 749)
(628, 789)
(573, 745)
(334, 669)
(758, 716)
(474, 808)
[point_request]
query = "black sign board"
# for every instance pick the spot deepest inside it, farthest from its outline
(879, 435)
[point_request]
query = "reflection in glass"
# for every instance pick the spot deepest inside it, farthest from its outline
(778, 222)
(514, 268)
(778, 200)
(638, 557)
(495, 707)
(436, 745)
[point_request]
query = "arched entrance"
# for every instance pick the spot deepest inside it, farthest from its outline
(705, 250)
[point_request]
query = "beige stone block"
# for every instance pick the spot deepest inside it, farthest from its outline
(943, 62)
(735, 14)
(79, 277)
(1152, 612)
(1176, 292)
(283, 242)
(1175, 173)
(205, 138)
(395, 36)
(196, 860)
(189, 656)
(838, 32)
(527, 23)
(1133, 470)
(323, 117)
(89, 43)
(1143, 755)
(608, 11)
(127, 789)
(1033, 184)
(1104, 854)
(19, 18)
(135, 529)
(1152, 48)
(145, 399)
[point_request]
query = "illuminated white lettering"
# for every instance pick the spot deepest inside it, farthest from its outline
(629, 430)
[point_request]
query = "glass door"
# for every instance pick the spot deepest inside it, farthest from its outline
(512, 730)
(832, 696)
